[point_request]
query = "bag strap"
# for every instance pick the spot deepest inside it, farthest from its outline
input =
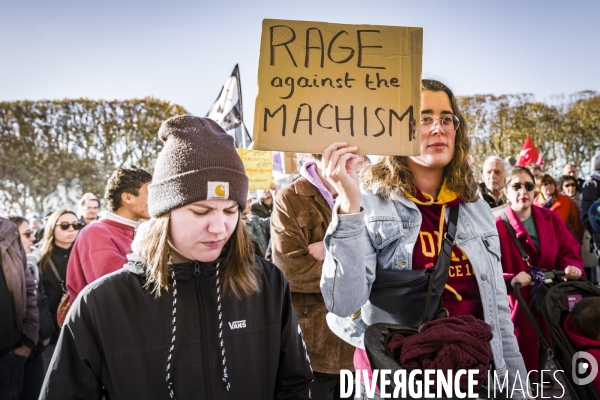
(61, 281)
(513, 234)
(439, 275)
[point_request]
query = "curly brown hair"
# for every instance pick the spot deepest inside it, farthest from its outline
(391, 177)
(124, 180)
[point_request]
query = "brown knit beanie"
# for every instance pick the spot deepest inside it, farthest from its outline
(197, 162)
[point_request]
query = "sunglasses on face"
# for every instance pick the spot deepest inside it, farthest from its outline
(529, 186)
(28, 233)
(569, 185)
(65, 225)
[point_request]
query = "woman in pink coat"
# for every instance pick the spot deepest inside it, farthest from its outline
(545, 239)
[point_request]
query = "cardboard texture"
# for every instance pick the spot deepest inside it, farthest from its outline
(319, 83)
(259, 168)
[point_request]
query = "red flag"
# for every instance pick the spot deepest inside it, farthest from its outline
(529, 154)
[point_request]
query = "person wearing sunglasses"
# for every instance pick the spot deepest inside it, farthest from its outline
(547, 244)
(570, 187)
(570, 169)
(60, 233)
(550, 198)
(397, 220)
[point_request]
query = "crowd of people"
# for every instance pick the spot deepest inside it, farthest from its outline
(188, 285)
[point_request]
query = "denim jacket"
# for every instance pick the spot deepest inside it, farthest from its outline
(353, 255)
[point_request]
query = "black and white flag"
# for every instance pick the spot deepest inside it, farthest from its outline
(227, 110)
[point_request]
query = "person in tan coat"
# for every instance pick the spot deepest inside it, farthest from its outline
(300, 218)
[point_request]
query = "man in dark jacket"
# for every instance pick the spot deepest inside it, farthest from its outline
(264, 207)
(492, 181)
(19, 322)
(300, 218)
(89, 207)
(589, 194)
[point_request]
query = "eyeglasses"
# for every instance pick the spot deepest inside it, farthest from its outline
(449, 123)
(28, 233)
(65, 225)
(570, 185)
(529, 186)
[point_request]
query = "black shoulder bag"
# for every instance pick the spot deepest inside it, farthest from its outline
(537, 275)
(65, 301)
(410, 298)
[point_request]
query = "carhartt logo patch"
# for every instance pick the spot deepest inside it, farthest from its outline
(217, 191)
(237, 324)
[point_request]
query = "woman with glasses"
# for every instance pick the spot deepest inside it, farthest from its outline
(568, 186)
(547, 244)
(551, 199)
(396, 221)
(61, 231)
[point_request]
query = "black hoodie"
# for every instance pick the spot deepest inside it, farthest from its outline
(117, 338)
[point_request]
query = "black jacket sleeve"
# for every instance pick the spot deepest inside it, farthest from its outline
(294, 373)
(46, 323)
(75, 370)
(589, 194)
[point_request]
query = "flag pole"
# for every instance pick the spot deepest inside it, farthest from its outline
(243, 133)
(237, 76)
(239, 81)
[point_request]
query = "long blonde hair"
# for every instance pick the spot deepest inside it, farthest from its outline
(47, 242)
(239, 272)
(391, 177)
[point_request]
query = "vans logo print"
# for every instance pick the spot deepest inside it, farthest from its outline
(237, 324)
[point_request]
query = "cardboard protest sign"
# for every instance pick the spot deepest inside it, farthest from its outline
(259, 168)
(319, 83)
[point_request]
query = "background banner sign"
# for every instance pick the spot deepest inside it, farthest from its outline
(259, 167)
(319, 83)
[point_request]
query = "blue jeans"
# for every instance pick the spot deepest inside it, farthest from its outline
(11, 375)
(33, 379)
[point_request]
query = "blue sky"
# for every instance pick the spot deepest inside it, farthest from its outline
(183, 51)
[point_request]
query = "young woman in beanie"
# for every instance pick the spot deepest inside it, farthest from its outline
(194, 314)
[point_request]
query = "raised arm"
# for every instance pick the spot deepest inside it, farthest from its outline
(349, 266)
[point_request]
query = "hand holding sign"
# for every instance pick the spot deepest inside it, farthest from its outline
(339, 168)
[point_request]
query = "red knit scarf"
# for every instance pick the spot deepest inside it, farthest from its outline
(452, 343)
